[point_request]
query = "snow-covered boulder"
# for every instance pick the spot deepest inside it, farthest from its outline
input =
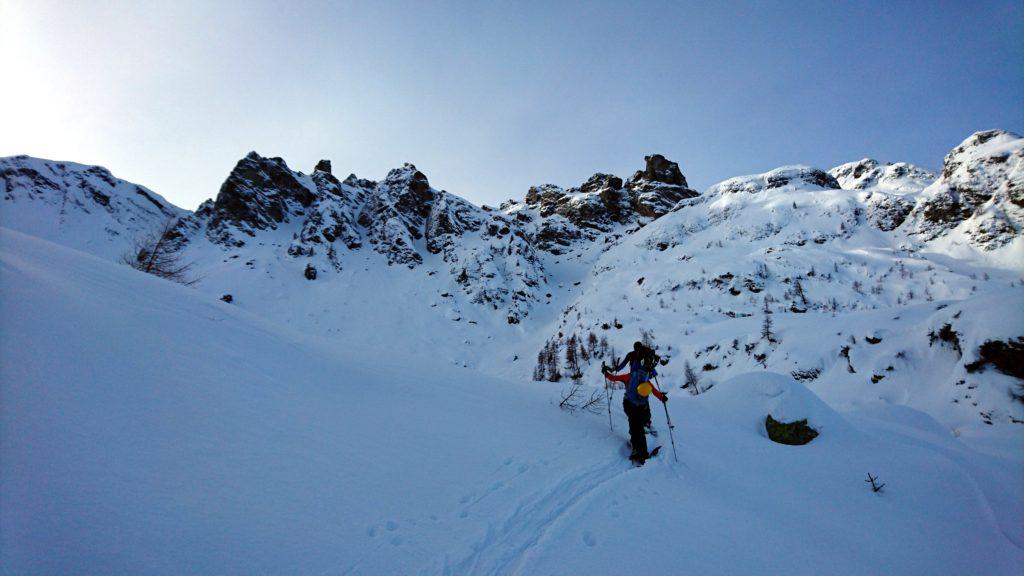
(746, 399)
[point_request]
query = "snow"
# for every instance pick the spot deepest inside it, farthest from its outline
(382, 419)
(78, 205)
(697, 280)
(150, 428)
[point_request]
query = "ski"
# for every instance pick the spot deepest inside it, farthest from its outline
(654, 452)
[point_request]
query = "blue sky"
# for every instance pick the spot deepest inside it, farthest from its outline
(489, 98)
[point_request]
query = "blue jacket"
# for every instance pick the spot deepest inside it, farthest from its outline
(637, 375)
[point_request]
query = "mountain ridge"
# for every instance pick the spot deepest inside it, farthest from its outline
(646, 255)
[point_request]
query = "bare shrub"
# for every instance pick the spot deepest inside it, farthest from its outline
(157, 253)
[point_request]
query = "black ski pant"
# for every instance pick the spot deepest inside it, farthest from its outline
(639, 415)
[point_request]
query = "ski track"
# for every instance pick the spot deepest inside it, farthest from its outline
(503, 550)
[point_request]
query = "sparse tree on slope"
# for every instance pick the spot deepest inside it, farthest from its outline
(157, 254)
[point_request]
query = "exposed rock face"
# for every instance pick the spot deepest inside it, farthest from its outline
(562, 217)
(887, 212)
(396, 213)
(980, 192)
(786, 176)
(487, 253)
(867, 173)
(658, 187)
(259, 194)
(330, 218)
(658, 171)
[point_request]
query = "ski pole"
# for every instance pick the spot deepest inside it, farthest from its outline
(607, 398)
(669, 420)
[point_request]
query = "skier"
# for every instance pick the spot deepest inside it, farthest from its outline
(642, 361)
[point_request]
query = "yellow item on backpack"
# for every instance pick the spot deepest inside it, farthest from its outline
(644, 389)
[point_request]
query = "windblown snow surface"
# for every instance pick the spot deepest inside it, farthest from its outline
(148, 428)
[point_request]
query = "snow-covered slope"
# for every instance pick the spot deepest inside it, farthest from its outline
(80, 206)
(150, 428)
(487, 288)
(853, 298)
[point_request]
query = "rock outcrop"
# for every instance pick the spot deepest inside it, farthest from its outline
(561, 218)
(657, 188)
(980, 193)
(867, 173)
(487, 253)
(259, 194)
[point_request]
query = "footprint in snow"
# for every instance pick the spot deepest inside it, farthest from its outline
(397, 541)
(371, 531)
(588, 539)
(391, 525)
(523, 468)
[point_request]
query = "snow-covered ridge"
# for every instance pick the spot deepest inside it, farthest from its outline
(980, 197)
(891, 177)
(81, 206)
(835, 271)
(803, 177)
(647, 253)
(490, 256)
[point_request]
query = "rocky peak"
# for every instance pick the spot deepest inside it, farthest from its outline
(323, 166)
(981, 191)
(356, 182)
(601, 181)
(602, 202)
(258, 194)
(656, 189)
(546, 198)
(657, 170)
(993, 147)
(396, 214)
(409, 190)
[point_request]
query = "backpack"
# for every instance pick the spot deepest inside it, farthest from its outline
(648, 359)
